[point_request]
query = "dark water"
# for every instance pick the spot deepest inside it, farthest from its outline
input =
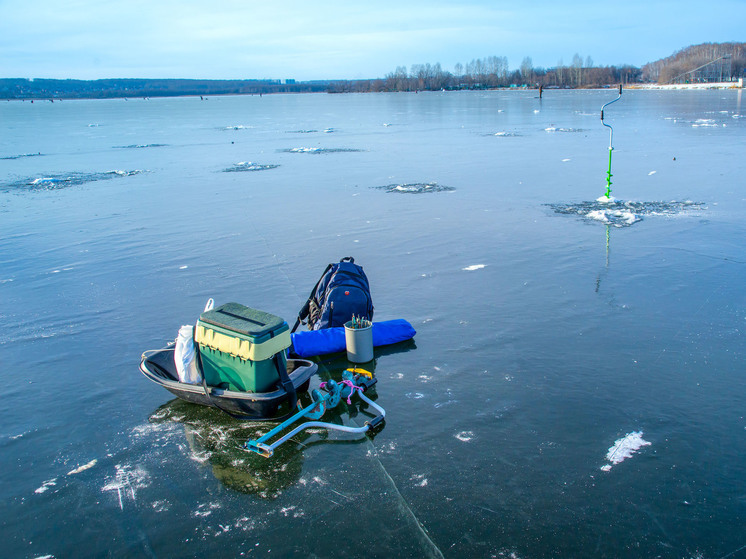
(543, 338)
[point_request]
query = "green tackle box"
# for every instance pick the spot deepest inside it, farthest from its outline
(237, 346)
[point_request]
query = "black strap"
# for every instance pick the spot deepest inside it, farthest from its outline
(305, 309)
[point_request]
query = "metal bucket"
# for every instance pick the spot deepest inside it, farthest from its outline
(359, 343)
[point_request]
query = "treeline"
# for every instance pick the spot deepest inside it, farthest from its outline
(712, 62)
(705, 62)
(493, 72)
(697, 63)
(19, 88)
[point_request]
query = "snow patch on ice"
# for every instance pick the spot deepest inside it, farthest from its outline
(419, 479)
(617, 217)
(46, 485)
(465, 436)
(83, 468)
(704, 122)
(624, 448)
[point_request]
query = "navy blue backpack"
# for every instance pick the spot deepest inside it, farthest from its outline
(342, 291)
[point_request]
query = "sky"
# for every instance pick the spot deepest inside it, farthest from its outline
(341, 39)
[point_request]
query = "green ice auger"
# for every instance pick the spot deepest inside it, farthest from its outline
(611, 138)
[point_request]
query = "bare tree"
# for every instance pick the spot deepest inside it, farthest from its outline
(577, 65)
(560, 73)
(527, 70)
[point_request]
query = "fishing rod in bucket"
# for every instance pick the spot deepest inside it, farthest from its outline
(611, 144)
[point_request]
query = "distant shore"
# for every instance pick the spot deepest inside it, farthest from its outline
(70, 90)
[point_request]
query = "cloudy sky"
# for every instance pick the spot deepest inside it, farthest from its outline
(341, 39)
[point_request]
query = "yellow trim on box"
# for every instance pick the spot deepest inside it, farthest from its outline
(243, 349)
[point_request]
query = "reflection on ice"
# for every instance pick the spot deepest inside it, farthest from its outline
(623, 214)
(126, 481)
(416, 188)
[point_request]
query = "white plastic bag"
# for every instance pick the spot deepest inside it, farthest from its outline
(185, 356)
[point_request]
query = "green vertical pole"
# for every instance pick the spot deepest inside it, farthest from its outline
(609, 175)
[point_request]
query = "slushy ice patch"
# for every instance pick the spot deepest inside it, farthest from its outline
(248, 166)
(624, 448)
(559, 129)
(141, 146)
(21, 155)
(55, 182)
(623, 214)
(319, 150)
(416, 188)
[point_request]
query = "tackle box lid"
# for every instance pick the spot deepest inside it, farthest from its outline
(244, 320)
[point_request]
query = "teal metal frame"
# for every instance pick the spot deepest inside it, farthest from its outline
(330, 398)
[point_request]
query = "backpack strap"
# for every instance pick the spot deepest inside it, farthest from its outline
(303, 313)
